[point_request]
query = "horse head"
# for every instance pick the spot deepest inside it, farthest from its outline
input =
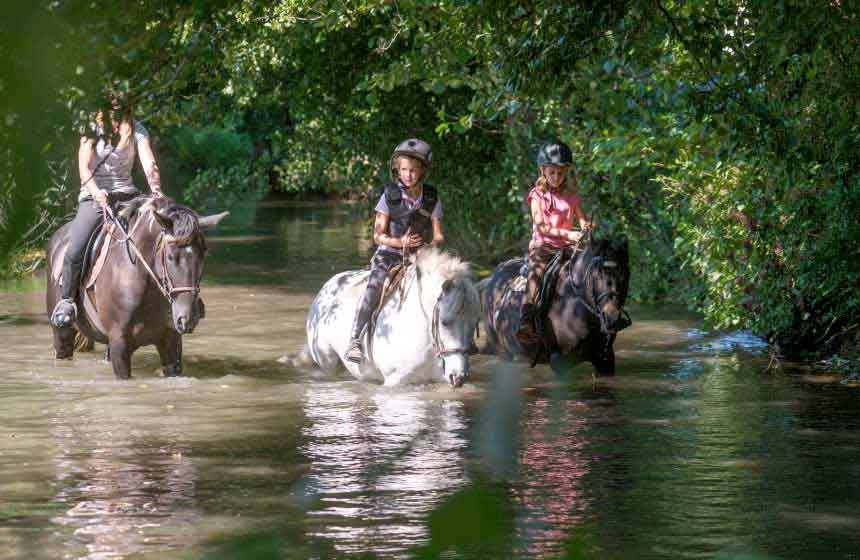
(455, 314)
(179, 260)
(601, 277)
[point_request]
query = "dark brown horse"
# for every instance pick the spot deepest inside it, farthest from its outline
(581, 312)
(146, 289)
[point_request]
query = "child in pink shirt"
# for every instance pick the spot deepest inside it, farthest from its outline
(555, 207)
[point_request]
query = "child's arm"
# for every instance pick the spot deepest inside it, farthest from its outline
(546, 229)
(580, 215)
(438, 236)
(381, 237)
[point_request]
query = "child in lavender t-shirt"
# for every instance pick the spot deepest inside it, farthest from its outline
(398, 230)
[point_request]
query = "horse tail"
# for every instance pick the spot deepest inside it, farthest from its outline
(84, 343)
(302, 358)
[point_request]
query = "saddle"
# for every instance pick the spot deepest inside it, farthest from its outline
(393, 282)
(543, 301)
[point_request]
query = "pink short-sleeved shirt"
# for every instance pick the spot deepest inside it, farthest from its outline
(559, 211)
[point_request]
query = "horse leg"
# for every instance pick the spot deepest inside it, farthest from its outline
(120, 356)
(64, 342)
(170, 352)
(604, 362)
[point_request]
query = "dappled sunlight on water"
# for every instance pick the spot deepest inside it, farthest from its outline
(693, 450)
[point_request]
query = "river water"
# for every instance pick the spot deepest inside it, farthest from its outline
(694, 450)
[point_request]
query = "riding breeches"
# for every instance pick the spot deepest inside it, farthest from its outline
(538, 258)
(87, 219)
(380, 266)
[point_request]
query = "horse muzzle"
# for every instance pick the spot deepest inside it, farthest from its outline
(455, 366)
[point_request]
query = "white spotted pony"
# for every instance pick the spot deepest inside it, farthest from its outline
(424, 330)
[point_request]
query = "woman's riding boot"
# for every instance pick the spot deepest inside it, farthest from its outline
(66, 310)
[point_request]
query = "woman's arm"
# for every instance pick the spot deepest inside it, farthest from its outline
(85, 158)
(150, 168)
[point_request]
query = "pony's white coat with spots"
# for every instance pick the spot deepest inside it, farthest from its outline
(425, 335)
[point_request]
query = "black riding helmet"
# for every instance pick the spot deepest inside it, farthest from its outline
(554, 152)
(413, 148)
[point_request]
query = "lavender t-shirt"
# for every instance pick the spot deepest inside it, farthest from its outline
(411, 204)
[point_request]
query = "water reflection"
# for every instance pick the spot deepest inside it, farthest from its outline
(692, 451)
(381, 460)
(127, 489)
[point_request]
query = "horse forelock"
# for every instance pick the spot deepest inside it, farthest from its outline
(435, 261)
(186, 225)
(463, 295)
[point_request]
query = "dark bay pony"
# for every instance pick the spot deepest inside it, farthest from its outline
(145, 291)
(582, 311)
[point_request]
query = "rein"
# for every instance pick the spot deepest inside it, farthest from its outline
(164, 285)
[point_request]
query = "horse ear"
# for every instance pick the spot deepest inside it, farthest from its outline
(209, 222)
(165, 221)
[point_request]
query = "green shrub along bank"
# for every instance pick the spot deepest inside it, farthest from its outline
(721, 137)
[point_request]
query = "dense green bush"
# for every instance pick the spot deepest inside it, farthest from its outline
(720, 137)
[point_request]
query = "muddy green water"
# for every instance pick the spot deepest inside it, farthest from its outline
(692, 451)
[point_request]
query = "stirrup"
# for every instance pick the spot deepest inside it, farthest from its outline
(64, 313)
(354, 354)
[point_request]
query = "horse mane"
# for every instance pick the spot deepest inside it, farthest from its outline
(434, 260)
(185, 220)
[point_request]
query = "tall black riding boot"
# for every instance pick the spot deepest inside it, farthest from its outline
(66, 310)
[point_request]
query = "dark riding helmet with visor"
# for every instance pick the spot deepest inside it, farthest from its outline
(554, 152)
(414, 148)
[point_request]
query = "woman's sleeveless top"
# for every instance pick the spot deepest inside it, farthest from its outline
(114, 175)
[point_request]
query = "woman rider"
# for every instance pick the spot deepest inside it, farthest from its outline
(105, 162)
(408, 215)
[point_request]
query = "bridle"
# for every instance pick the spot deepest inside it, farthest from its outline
(164, 283)
(438, 344)
(589, 290)
(435, 336)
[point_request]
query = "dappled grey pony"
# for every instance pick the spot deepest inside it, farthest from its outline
(144, 290)
(581, 312)
(423, 332)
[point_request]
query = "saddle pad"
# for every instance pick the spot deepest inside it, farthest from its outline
(392, 282)
(102, 253)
